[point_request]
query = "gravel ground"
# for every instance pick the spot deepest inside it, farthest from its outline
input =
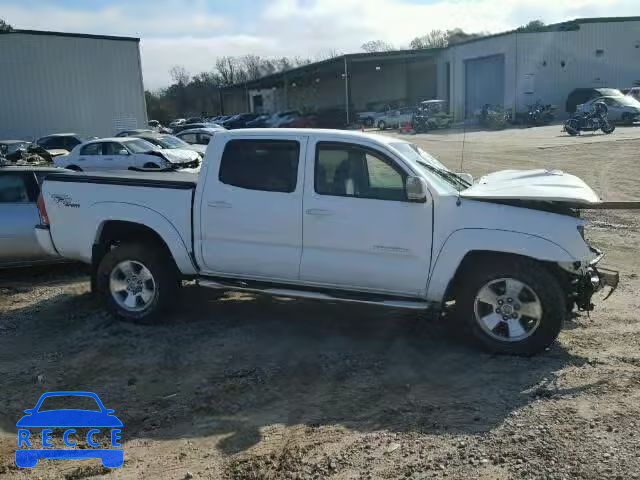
(250, 387)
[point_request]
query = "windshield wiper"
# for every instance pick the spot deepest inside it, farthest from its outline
(446, 174)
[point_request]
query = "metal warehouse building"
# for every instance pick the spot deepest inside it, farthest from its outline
(511, 69)
(62, 82)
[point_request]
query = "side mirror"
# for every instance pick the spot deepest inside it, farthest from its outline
(416, 190)
(466, 176)
(123, 151)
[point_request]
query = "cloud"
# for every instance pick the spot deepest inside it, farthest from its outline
(191, 34)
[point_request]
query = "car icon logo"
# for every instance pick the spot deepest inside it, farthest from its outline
(69, 419)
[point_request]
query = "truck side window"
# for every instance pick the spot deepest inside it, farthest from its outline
(347, 170)
(268, 165)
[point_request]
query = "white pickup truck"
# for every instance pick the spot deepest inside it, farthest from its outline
(336, 216)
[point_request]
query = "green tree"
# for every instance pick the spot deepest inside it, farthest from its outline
(532, 26)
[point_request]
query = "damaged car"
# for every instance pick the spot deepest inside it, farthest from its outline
(126, 153)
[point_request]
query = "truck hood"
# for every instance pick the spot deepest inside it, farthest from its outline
(179, 155)
(544, 185)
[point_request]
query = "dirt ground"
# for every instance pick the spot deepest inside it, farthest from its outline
(249, 387)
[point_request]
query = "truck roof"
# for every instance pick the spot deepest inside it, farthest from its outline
(280, 132)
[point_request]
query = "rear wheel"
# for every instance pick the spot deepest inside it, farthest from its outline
(572, 127)
(513, 306)
(137, 282)
(608, 127)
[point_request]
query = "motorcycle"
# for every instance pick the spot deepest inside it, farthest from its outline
(597, 119)
(540, 114)
(494, 117)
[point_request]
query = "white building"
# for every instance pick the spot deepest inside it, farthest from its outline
(515, 69)
(62, 82)
(512, 69)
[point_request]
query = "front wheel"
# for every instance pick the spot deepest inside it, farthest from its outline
(511, 306)
(137, 282)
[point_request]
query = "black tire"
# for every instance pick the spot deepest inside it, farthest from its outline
(571, 127)
(75, 168)
(529, 272)
(162, 268)
(608, 128)
(382, 125)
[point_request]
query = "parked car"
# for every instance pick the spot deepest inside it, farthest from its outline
(620, 109)
(632, 92)
(22, 151)
(280, 118)
(239, 121)
(583, 95)
(338, 216)
(190, 126)
(394, 118)
(170, 142)
(177, 122)
(303, 121)
(133, 131)
(12, 150)
(156, 126)
(194, 120)
(61, 141)
(122, 153)
(199, 136)
(19, 190)
(260, 121)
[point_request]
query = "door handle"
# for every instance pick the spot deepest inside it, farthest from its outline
(219, 204)
(319, 212)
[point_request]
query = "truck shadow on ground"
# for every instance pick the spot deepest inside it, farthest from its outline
(232, 365)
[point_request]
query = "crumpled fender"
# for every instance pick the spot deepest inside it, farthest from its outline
(461, 242)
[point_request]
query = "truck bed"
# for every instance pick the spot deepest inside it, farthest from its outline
(162, 201)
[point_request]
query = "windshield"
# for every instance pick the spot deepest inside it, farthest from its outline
(628, 101)
(171, 142)
(430, 164)
(139, 146)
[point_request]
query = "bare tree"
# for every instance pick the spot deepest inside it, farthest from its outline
(433, 39)
(252, 66)
(5, 27)
(179, 75)
(227, 68)
(457, 35)
(326, 55)
(377, 46)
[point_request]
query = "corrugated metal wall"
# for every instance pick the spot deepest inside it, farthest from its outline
(51, 84)
(548, 65)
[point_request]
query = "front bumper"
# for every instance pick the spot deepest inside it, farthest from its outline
(593, 279)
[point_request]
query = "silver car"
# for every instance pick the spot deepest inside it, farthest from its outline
(623, 109)
(19, 190)
(394, 118)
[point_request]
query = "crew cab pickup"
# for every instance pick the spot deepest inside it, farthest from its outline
(336, 216)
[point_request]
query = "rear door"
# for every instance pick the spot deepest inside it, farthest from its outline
(251, 208)
(89, 156)
(19, 215)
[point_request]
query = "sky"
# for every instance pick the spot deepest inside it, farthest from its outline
(193, 33)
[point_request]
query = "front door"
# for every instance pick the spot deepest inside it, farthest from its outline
(251, 210)
(360, 231)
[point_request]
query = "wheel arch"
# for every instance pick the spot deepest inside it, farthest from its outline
(139, 224)
(458, 254)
